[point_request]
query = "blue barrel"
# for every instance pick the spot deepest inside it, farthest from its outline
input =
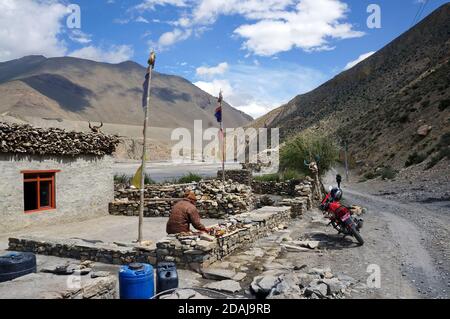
(136, 281)
(166, 276)
(16, 264)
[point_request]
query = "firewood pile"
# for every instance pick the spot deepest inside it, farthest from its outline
(25, 139)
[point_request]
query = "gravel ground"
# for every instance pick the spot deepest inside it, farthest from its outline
(409, 239)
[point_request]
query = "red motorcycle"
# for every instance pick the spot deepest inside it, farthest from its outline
(341, 217)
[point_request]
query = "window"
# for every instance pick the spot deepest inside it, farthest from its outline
(39, 190)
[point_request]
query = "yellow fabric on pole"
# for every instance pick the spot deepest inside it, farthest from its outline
(136, 181)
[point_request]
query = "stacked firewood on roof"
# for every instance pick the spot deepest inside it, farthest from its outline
(25, 139)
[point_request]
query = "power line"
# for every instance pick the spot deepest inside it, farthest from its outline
(419, 12)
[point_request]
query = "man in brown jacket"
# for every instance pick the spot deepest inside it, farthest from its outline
(183, 214)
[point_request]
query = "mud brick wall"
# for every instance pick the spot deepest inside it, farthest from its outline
(242, 176)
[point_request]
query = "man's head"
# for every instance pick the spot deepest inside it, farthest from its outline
(190, 196)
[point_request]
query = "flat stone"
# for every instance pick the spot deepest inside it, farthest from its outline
(97, 274)
(240, 276)
(218, 273)
(82, 272)
(295, 249)
(334, 285)
(185, 293)
(320, 289)
(312, 244)
(230, 286)
(264, 284)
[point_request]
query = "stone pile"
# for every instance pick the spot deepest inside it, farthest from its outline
(299, 205)
(301, 283)
(242, 176)
(214, 200)
(25, 139)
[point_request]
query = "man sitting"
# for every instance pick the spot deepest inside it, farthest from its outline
(183, 214)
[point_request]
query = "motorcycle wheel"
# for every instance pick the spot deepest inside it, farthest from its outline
(357, 235)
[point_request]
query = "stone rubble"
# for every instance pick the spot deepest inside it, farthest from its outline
(300, 284)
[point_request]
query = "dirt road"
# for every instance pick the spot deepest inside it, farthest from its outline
(407, 241)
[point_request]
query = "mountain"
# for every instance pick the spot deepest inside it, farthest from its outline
(82, 90)
(379, 105)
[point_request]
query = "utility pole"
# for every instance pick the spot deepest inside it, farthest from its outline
(151, 65)
(346, 159)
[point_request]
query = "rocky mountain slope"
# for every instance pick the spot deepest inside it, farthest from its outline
(393, 108)
(82, 90)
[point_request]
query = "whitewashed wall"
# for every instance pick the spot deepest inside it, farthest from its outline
(84, 187)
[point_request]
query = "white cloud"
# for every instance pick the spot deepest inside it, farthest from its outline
(221, 68)
(308, 27)
(114, 54)
(169, 38)
(273, 25)
(256, 89)
(362, 57)
(79, 36)
(141, 19)
(151, 4)
(215, 86)
(31, 27)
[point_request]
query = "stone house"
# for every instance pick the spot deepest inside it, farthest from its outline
(52, 176)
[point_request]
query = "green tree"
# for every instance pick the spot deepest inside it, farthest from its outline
(308, 147)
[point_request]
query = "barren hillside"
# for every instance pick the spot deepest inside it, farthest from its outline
(83, 90)
(380, 104)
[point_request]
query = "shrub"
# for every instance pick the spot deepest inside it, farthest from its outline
(425, 103)
(189, 178)
(444, 104)
(403, 118)
(443, 147)
(267, 178)
(148, 180)
(278, 177)
(388, 173)
(415, 158)
(122, 179)
(308, 147)
(291, 174)
(369, 175)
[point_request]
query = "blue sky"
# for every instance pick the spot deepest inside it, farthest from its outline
(261, 53)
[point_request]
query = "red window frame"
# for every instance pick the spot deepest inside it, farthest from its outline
(38, 177)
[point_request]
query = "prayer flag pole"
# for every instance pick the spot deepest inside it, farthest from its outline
(146, 102)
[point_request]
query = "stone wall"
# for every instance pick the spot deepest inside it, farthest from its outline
(191, 250)
(287, 188)
(242, 176)
(196, 251)
(83, 250)
(84, 188)
(213, 200)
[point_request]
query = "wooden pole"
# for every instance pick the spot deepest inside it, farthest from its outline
(151, 65)
(223, 140)
(346, 160)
